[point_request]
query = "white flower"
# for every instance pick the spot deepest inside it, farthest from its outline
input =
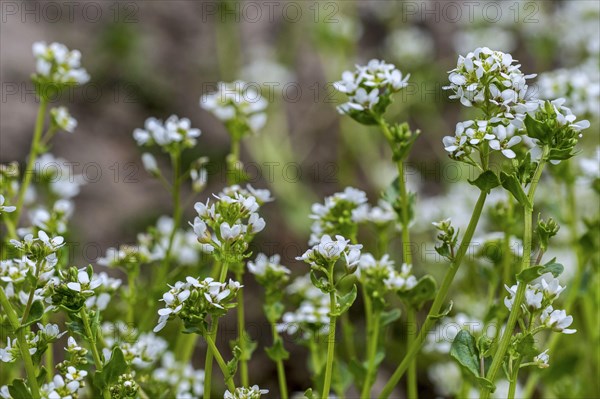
(331, 249)
(84, 284)
(62, 119)
(150, 163)
(173, 131)
(6, 208)
(557, 320)
(505, 139)
(58, 64)
(262, 264)
(230, 233)
(542, 359)
(253, 392)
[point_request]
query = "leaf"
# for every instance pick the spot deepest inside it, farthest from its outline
(320, 283)
(533, 272)
(232, 364)
(422, 292)
(526, 346)
(512, 184)
(41, 377)
(345, 301)
(112, 370)
(443, 313)
(308, 394)
(359, 371)
(465, 352)
(35, 313)
(19, 390)
(390, 317)
(277, 352)
(536, 129)
(273, 311)
(486, 181)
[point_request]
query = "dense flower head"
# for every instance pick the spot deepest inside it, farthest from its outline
(253, 392)
(328, 251)
(238, 104)
(173, 132)
(140, 350)
(269, 270)
(551, 123)
(40, 247)
(339, 214)
(195, 299)
(380, 276)
(369, 89)
(56, 64)
(227, 225)
(485, 78)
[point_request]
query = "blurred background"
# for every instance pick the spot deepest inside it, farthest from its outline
(156, 58)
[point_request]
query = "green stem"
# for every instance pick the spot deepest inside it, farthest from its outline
(92, 341)
(38, 268)
(233, 173)
(330, 340)
(242, 334)
(373, 338)
(412, 391)
(221, 363)
(131, 296)
(283, 391)
(23, 345)
(513, 380)
(212, 335)
(432, 316)
(525, 263)
(49, 354)
(33, 153)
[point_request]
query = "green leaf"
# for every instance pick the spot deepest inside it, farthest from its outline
(536, 129)
(35, 313)
(464, 351)
(233, 363)
(19, 390)
(41, 377)
(308, 394)
(525, 345)
(273, 311)
(422, 292)
(277, 352)
(512, 184)
(358, 370)
(533, 272)
(345, 301)
(389, 317)
(320, 283)
(112, 370)
(486, 181)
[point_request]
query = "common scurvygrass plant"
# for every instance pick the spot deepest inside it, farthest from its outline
(110, 350)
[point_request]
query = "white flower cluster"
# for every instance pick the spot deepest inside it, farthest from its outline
(264, 266)
(54, 220)
(40, 248)
(182, 378)
(470, 134)
(370, 85)
(64, 387)
(208, 295)
(254, 392)
(233, 218)
(59, 175)
(174, 131)
(339, 214)
(62, 119)
(312, 314)
(380, 214)
(580, 86)
(328, 250)
(36, 341)
(238, 104)
(379, 273)
(140, 350)
(56, 64)
(539, 295)
(485, 76)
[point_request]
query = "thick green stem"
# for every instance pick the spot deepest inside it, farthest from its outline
(283, 391)
(221, 363)
(242, 334)
(23, 345)
(412, 390)
(92, 341)
(33, 153)
(525, 263)
(330, 342)
(373, 338)
(432, 317)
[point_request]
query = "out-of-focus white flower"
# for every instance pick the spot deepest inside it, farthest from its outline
(174, 131)
(63, 119)
(5, 208)
(150, 163)
(542, 359)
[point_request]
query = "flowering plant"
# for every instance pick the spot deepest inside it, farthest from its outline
(189, 272)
